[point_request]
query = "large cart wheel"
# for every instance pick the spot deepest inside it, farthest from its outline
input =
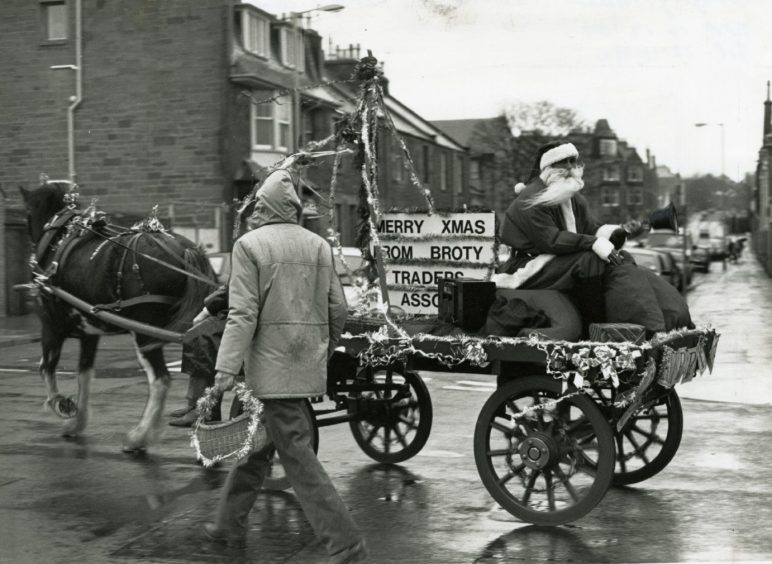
(392, 421)
(547, 462)
(276, 479)
(649, 440)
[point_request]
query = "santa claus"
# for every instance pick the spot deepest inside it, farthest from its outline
(556, 244)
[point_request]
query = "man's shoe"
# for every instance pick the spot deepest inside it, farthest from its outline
(218, 535)
(181, 411)
(187, 419)
(354, 554)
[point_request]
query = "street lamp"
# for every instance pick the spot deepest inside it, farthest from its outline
(721, 125)
(297, 40)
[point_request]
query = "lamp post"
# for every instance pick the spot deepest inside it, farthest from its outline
(721, 125)
(297, 142)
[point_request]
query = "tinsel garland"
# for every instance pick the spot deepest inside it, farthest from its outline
(442, 212)
(151, 224)
(400, 238)
(206, 403)
(576, 363)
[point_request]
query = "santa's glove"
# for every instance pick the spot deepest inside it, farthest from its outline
(618, 237)
(603, 248)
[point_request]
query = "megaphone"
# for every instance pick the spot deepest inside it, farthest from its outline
(664, 218)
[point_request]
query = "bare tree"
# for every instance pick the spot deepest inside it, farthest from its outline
(542, 118)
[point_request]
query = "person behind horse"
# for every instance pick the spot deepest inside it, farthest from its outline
(557, 244)
(199, 352)
(286, 312)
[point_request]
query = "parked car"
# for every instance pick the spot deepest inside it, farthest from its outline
(669, 240)
(661, 263)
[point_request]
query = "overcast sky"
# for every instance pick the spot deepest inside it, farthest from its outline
(652, 68)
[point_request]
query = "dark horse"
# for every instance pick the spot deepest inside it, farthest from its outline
(106, 266)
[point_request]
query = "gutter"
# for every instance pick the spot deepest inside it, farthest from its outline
(78, 97)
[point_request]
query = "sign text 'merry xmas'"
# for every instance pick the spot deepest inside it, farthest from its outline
(420, 249)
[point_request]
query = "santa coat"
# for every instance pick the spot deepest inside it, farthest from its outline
(536, 234)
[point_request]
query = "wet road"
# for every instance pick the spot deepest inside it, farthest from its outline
(85, 501)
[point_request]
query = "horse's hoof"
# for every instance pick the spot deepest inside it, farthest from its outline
(66, 408)
(137, 450)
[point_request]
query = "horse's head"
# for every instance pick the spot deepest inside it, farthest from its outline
(42, 204)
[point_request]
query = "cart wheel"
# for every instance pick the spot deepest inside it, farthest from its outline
(649, 441)
(549, 465)
(276, 479)
(392, 425)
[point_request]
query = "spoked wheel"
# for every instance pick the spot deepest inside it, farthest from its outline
(547, 462)
(649, 440)
(393, 420)
(276, 479)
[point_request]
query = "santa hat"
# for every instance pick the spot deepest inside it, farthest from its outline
(557, 154)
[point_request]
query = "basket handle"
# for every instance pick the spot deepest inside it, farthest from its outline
(212, 394)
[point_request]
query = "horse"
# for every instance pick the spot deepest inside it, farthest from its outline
(149, 277)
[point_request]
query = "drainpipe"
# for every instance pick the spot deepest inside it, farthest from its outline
(76, 99)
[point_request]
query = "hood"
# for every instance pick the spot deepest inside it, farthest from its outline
(277, 200)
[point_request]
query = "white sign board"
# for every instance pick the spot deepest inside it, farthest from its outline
(420, 249)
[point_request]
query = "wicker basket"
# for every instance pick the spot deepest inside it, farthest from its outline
(225, 439)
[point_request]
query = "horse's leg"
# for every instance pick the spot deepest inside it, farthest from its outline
(159, 381)
(51, 343)
(88, 348)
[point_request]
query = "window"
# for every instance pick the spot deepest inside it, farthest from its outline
(635, 173)
(425, 164)
(609, 197)
(255, 33)
(458, 175)
(397, 161)
(474, 172)
(608, 147)
(634, 197)
(292, 50)
(54, 20)
(271, 122)
(611, 173)
(445, 164)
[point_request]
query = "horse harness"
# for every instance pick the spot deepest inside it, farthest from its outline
(59, 238)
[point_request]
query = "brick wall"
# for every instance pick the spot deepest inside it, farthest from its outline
(154, 89)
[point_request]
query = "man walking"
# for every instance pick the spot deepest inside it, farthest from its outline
(287, 310)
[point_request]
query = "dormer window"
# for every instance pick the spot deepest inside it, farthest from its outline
(255, 33)
(292, 50)
(608, 147)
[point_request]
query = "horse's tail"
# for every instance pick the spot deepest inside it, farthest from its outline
(196, 290)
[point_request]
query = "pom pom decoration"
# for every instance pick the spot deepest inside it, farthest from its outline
(519, 187)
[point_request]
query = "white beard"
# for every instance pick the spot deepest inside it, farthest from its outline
(561, 185)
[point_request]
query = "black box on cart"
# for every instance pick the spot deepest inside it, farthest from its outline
(465, 302)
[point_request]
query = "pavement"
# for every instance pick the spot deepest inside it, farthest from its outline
(19, 329)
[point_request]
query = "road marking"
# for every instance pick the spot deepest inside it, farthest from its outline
(14, 370)
(467, 389)
(476, 383)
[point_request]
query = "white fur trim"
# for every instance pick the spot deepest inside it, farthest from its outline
(564, 151)
(519, 276)
(606, 230)
(519, 187)
(603, 247)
